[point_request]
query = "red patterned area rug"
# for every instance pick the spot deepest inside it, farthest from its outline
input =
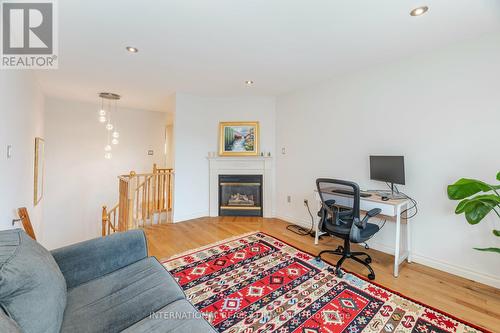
(257, 283)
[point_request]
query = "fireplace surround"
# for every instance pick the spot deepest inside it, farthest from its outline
(249, 165)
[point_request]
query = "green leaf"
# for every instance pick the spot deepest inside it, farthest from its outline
(464, 188)
(498, 175)
(489, 249)
(461, 206)
(496, 232)
(478, 207)
(478, 210)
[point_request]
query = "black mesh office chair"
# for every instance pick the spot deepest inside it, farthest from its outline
(340, 218)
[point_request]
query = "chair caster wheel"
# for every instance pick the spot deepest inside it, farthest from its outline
(318, 259)
(368, 260)
(339, 273)
(371, 276)
(340, 249)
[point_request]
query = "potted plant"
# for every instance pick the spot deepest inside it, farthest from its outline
(477, 199)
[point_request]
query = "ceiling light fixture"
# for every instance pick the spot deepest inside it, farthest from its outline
(132, 49)
(419, 11)
(111, 137)
(249, 83)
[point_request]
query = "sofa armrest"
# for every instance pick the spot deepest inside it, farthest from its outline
(91, 259)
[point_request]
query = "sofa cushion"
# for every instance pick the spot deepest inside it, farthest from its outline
(96, 257)
(117, 300)
(179, 316)
(32, 288)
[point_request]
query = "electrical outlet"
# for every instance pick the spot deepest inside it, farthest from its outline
(9, 151)
(306, 202)
(283, 151)
(288, 199)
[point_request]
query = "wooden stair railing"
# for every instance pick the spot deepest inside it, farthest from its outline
(145, 199)
(25, 219)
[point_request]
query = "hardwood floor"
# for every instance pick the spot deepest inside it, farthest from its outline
(468, 300)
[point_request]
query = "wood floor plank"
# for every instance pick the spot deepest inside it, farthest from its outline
(466, 299)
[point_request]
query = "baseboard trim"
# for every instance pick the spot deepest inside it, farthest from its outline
(300, 222)
(464, 272)
(191, 216)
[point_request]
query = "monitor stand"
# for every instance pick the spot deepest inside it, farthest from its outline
(392, 195)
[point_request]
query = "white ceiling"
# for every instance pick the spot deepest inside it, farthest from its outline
(210, 47)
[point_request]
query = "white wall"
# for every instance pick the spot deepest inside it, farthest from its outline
(169, 146)
(196, 129)
(169, 135)
(440, 110)
(21, 120)
(79, 179)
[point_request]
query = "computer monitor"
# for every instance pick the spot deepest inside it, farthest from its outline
(389, 169)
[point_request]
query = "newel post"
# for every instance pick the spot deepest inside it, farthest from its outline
(130, 195)
(155, 194)
(104, 220)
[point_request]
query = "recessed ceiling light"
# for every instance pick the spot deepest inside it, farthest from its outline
(132, 49)
(249, 83)
(419, 11)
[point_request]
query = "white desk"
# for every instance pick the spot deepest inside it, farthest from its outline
(391, 210)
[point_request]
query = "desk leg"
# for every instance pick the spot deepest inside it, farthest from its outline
(315, 220)
(398, 241)
(408, 239)
(316, 233)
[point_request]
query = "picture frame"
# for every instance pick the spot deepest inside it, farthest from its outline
(240, 138)
(39, 169)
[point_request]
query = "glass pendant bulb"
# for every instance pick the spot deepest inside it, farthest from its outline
(107, 156)
(102, 119)
(114, 141)
(102, 112)
(109, 127)
(107, 148)
(116, 135)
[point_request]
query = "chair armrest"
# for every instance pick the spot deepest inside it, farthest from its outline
(373, 212)
(369, 214)
(85, 261)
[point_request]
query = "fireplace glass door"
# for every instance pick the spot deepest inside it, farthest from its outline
(240, 195)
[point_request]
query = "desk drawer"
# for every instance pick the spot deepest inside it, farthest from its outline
(387, 209)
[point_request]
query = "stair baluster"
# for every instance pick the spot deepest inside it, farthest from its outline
(144, 200)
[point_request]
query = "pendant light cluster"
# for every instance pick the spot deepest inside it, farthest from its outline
(109, 108)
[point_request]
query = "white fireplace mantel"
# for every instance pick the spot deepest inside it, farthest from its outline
(241, 166)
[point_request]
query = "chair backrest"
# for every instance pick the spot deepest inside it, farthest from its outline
(346, 193)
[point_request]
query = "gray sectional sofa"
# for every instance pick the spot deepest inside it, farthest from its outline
(102, 285)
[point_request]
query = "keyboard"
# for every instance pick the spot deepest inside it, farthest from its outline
(347, 192)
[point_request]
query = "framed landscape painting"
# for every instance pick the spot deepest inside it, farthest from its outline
(239, 138)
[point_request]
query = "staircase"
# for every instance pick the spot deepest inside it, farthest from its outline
(144, 200)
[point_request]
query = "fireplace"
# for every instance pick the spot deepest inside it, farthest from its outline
(240, 195)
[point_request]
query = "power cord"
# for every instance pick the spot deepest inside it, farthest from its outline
(379, 228)
(383, 224)
(413, 201)
(301, 230)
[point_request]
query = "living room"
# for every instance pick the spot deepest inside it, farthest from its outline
(183, 169)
